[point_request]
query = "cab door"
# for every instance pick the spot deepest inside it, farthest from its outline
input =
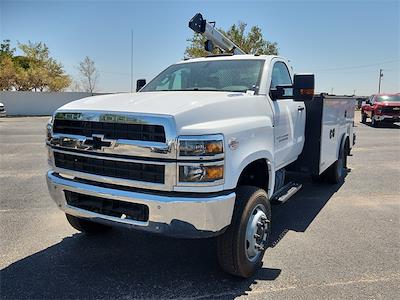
(289, 119)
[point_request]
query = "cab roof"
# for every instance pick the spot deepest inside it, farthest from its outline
(230, 57)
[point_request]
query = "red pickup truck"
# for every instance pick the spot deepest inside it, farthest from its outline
(381, 108)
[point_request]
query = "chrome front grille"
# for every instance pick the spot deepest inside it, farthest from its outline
(391, 109)
(135, 135)
(134, 150)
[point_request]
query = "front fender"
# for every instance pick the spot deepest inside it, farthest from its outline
(253, 144)
(342, 143)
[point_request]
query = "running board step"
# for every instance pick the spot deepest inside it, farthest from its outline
(284, 193)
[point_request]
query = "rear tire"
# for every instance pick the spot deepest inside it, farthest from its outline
(86, 226)
(338, 171)
(242, 246)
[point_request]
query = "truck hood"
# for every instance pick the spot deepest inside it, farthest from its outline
(194, 112)
(164, 103)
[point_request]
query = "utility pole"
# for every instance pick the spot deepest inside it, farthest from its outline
(380, 79)
(131, 61)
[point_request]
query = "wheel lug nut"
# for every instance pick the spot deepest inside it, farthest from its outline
(257, 236)
(259, 247)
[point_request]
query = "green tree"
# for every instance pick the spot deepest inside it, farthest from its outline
(44, 72)
(33, 70)
(8, 73)
(251, 42)
(6, 49)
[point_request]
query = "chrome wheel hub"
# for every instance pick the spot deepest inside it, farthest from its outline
(256, 233)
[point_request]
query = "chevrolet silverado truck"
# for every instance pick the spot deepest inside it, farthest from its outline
(200, 151)
(381, 108)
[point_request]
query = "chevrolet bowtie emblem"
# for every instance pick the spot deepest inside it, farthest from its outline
(97, 142)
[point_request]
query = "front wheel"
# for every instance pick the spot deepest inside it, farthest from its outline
(363, 118)
(241, 247)
(374, 122)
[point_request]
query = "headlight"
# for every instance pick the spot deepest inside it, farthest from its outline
(201, 173)
(201, 146)
(49, 130)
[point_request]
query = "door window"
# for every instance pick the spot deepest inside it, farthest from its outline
(280, 75)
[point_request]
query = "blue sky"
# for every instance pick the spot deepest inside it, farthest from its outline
(343, 42)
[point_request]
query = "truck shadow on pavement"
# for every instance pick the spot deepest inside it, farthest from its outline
(300, 211)
(128, 264)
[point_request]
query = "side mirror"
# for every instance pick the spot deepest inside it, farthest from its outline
(139, 84)
(303, 87)
(280, 92)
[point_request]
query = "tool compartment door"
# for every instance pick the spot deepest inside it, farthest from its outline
(330, 138)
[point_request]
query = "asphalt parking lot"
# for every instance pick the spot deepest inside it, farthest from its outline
(328, 242)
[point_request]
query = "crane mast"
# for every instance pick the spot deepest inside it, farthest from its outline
(214, 37)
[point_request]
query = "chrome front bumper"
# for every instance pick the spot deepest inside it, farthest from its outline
(190, 217)
(387, 118)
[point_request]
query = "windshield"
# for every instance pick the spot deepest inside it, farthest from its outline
(216, 75)
(389, 98)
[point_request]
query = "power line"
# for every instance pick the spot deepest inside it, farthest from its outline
(359, 66)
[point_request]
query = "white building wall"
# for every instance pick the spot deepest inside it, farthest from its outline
(37, 103)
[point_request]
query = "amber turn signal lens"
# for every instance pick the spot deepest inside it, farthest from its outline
(307, 91)
(201, 173)
(215, 172)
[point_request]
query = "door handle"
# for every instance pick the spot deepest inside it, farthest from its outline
(300, 108)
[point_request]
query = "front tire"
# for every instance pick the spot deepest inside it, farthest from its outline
(363, 118)
(242, 246)
(374, 122)
(86, 226)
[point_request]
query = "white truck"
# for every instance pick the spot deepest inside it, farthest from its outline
(199, 151)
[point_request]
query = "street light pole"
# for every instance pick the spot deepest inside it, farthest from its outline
(380, 79)
(131, 61)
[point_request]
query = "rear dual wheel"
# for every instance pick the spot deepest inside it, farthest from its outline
(242, 246)
(338, 171)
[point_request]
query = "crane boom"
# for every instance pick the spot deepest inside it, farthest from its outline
(214, 37)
